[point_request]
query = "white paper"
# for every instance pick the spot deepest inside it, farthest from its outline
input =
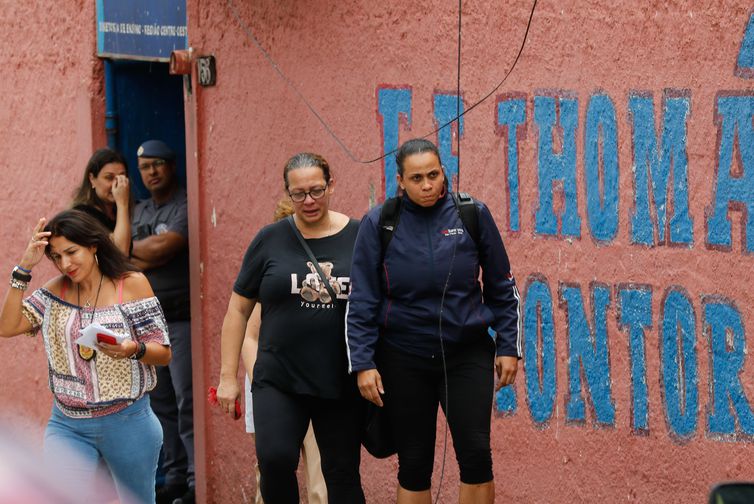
(89, 334)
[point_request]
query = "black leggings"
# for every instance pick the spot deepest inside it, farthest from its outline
(281, 421)
(414, 386)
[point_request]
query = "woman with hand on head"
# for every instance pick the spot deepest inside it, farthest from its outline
(300, 374)
(100, 409)
(418, 320)
(105, 194)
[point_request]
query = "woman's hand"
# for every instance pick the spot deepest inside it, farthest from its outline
(506, 367)
(120, 190)
(35, 250)
(370, 385)
(228, 393)
(122, 350)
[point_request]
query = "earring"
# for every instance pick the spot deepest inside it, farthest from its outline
(95, 258)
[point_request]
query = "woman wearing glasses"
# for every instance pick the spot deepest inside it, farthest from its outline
(301, 371)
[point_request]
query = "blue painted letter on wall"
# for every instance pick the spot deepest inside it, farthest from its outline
(636, 317)
(679, 369)
(588, 350)
(601, 185)
(445, 111)
(392, 103)
(745, 61)
(538, 319)
(556, 167)
(511, 114)
(725, 329)
(734, 114)
(652, 168)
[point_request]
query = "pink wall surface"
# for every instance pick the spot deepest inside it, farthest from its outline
(629, 420)
(635, 385)
(51, 118)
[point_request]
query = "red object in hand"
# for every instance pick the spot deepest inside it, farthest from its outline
(106, 338)
(212, 398)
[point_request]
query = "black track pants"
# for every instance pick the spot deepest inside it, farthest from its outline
(415, 386)
(281, 420)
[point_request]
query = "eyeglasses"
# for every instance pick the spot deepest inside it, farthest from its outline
(300, 196)
(157, 163)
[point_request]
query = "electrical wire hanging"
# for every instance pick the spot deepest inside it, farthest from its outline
(350, 154)
(250, 35)
(458, 99)
(452, 259)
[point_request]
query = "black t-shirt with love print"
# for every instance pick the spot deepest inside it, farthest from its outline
(302, 346)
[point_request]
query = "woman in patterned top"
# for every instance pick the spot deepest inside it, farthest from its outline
(100, 410)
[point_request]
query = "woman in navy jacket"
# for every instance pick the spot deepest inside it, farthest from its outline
(417, 326)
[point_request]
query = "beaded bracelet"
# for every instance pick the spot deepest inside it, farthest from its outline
(138, 354)
(18, 284)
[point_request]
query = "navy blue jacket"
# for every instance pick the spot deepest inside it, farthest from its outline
(399, 298)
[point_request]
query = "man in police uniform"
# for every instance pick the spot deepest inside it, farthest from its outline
(160, 249)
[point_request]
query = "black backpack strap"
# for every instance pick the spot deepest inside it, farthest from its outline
(390, 214)
(469, 214)
(313, 259)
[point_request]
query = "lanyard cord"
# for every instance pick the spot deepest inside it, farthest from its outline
(96, 298)
(250, 35)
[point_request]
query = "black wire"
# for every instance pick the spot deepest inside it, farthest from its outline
(445, 366)
(458, 103)
(456, 119)
(290, 84)
(327, 127)
(452, 258)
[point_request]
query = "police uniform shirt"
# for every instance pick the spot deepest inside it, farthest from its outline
(170, 281)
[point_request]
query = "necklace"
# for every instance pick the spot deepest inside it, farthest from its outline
(87, 353)
(87, 304)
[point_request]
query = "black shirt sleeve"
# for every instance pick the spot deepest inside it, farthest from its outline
(250, 277)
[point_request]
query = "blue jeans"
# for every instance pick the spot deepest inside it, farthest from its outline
(128, 442)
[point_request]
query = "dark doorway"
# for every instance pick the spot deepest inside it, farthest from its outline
(144, 102)
(148, 104)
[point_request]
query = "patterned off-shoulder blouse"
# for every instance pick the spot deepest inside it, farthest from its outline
(101, 385)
